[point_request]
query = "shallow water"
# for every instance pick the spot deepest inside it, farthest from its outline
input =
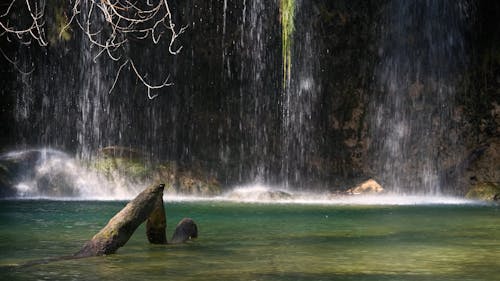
(243, 241)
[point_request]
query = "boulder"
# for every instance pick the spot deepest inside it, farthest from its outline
(178, 180)
(486, 167)
(275, 195)
(486, 191)
(185, 230)
(368, 187)
(14, 166)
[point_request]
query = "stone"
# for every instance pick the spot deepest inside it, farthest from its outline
(275, 195)
(368, 187)
(185, 230)
(486, 191)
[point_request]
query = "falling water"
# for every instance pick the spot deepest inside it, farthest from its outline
(258, 94)
(47, 173)
(421, 55)
(300, 93)
(92, 103)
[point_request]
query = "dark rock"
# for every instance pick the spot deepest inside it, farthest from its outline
(486, 191)
(185, 230)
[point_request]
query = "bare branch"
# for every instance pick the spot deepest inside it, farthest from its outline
(117, 21)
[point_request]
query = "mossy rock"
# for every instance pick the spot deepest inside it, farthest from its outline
(130, 168)
(486, 191)
(196, 186)
(177, 180)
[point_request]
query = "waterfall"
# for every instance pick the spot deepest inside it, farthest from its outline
(258, 91)
(301, 90)
(422, 53)
(93, 102)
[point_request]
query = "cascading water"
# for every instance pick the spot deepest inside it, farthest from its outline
(300, 94)
(256, 91)
(422, 51)
(93, 104)
(47, 173)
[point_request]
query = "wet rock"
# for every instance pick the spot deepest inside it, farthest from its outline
(114, 168)
(116, 151)
(15, 166)
(187, 181)
(486, 191)
(486, 166)
(368, 187)
(186, 230)
(275, 195)
(178, 180)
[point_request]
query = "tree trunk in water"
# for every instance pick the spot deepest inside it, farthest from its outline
(121, 227)
(156, 226)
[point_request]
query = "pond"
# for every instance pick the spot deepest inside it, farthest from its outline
(256, 241)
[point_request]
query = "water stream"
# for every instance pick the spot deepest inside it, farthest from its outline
(422, 54)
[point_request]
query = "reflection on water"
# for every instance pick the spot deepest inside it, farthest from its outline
(240, 241)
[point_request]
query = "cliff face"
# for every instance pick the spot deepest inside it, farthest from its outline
(229, 111)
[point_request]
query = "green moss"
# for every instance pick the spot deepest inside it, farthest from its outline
(130, 168)
(59, 30)
(287, 9)
(484, 191)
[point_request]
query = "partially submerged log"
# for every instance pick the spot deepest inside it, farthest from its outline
(148, 205)
(121, 227)
(156, 226)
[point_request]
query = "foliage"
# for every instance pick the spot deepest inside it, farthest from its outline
(287, 8)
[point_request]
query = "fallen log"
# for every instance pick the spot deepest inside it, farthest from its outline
(148, 205)
(121, 227)
(156, 225)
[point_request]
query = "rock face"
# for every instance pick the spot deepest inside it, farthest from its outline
(121, 227)
(116, 165)
(486, 168)
(14, 165)
(486, 191)
(368, 187)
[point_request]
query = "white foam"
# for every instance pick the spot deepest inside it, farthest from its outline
(57, 176)
(259, 193)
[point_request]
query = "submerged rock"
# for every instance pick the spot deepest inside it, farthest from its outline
(186, 230)
(486, 191)
(368, 187)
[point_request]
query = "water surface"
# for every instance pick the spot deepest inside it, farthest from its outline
(251, 241)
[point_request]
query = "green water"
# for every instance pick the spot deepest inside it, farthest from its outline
(260, 242)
